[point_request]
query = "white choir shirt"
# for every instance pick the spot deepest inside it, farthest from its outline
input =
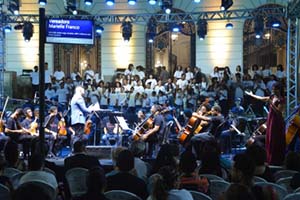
(59, 75)
(189, 76)
(113, 99)
(182, 83)
(49, 93)
(73, 75)
(122, 96)
(62, 95)
(131, 99)
(266, 73)
(148, 91)
(152, 82)
(280, 74)
(178, 74)
(34, 78)
(141, 74)
(104, 97)
(47, 76)
(160, 88)
(91, 73)
(140, 89)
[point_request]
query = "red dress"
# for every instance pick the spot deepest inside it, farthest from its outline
(275, 135)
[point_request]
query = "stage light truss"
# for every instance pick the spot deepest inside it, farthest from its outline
(293, 8)
(159, 17)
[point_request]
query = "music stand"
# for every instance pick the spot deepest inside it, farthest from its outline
(121, 122)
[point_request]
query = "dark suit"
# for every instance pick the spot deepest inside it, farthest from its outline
(128, 182)
(81, 160)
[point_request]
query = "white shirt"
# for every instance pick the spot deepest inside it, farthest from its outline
(59, 75)
(182, 83)
(178, 74)
(49, 93)
(189, 76)
(140, 89)
(74, 74)
(113, 99)
(62, 95)
(47, 76)
(89, 74)
(34, 78)
(152, 81)
(94, 107)
(182, 194)
(141, 74)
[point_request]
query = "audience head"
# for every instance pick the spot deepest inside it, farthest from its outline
(295, 182)
(125, 161)
(238, 192)
(188, 162)
(11, 153)
(165, 157)
(243, 169)
(36, 162)
(115, 153)
(292, 161)
(138, 148)
(33, 191)
(79, 147)
(257, 154)
(96, 181)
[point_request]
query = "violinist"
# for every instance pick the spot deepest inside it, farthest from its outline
(154, 135)
(213, 128)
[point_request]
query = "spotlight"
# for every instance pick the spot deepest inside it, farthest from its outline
(197, 1)
(167, 6)
(152, 2)
(258, 26)
(226, 4)
(27, 31)
(229, 25)
(202, 28)
(151, 30)
(71, 6)
(7, 28)
(131, 2)
(18, 27)
(110, 2)
(42, 2)
(126, 31)
(99, 29)
(273, 22)
(175, 28)
(88, 2)
(14, 7)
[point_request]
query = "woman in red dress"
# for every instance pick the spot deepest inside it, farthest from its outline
(275, 133)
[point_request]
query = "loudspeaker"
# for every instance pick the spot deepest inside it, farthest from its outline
(101, 152)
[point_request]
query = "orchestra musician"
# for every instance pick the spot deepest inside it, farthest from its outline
(154, 135)
(29, 124)
(15, 130)
(275, 131)
(3, 137)
(79, 112)
(212, 130)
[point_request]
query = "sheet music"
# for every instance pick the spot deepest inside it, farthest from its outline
(122, 123)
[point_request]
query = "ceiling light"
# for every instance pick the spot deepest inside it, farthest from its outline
(42, 2)
(88, 2)
(126, 31)
(176, 28)
(7, 28)
(14, 7)
(27, 31)
(18, 27)
(167, 5)
(197, 1)
(229, 25)
(226, 4)
(152, 2)
(132, 2)
(110, 2)
(258, 26)
(99, 29)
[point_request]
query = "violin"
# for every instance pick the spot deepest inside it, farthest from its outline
(62, 126)
(33, 127)
(88, 126)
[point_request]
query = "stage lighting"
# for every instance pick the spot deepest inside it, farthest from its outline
(229, 25)
(27, 31)
(166, 5)
(7, 28)
(273, 22)
(88, 2)
(18, 27)
(42, 2)
(258, 26)
(14, 7)
(99, 29)
(152, 2)
(175, 28)
(126, 31)
(226, 4)
(151, 30)
(197, 1)
(202, 28)
(131, 2)
(110, 2)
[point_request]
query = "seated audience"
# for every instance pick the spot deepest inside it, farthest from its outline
(292, 161)
(164, 157)
(4, 180)
(258, 155)
(96, 183)
(11, 154)
(32, 191)
(189, 179)
(114, 155)
(80, 159)
(295, 182)
(237, 192)
(138, 150)
(124, 180)
(166, 186)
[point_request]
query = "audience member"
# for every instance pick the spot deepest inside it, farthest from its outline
(124, 180)
(4, 180)
(237, 192)
(96, 184)
(80, 159)
(11, 154)
(292, 161)
(138, 150)
(165, 157)
(166, 186)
